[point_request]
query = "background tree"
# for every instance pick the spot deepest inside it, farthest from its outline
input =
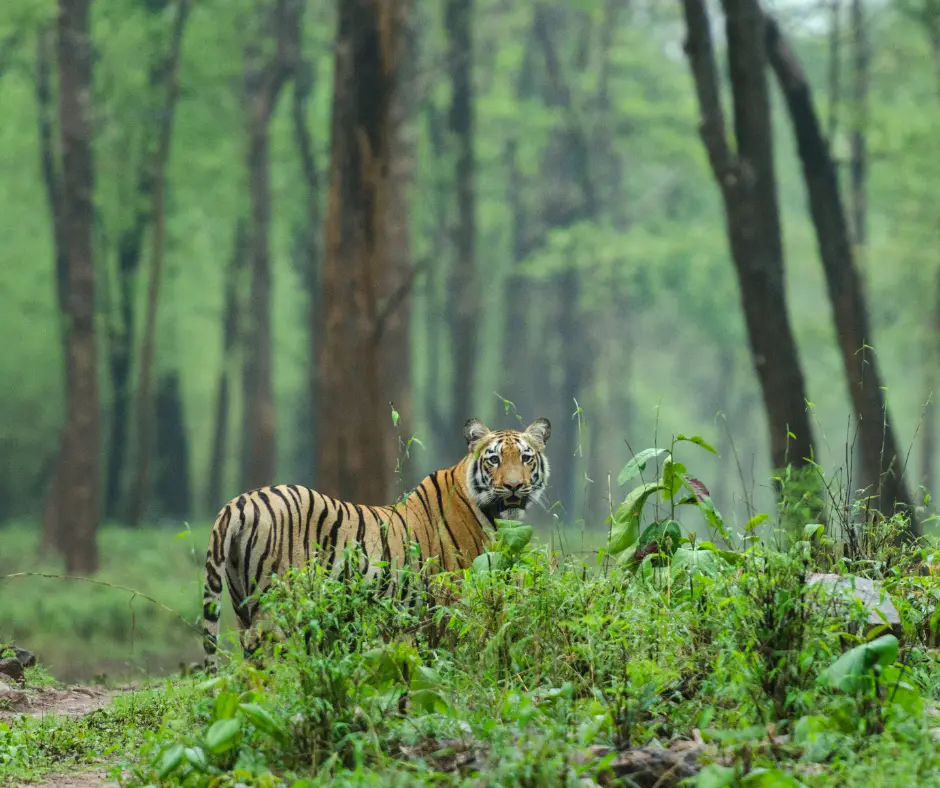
(80, 464)
(354, 416)
(749, 190)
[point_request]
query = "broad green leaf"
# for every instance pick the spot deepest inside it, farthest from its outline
(813, 530)
(715, 776)
(637, 464)
(223, 735)
(852, 671)
(264, 721)
(226, 705)
(900, 689)
(628, 516)
(196, 757)
(514, 537)
(672, 477)
(169, 760)
(699, 561)
(665, 533)
(489, 562)
(770, 778)
(755, 521)
(698, 440)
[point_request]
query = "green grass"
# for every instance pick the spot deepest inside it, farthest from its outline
(80, 630)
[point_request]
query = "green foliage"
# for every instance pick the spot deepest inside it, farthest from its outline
(662, 539)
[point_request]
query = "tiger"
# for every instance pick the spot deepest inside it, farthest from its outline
(442, 525)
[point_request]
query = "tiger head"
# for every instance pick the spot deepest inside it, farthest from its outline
(508, 469)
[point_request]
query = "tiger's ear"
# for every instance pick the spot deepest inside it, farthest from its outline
(540, 429)
(474, 431)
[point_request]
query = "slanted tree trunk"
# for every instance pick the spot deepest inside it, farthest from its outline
(80, 469)
(140, 491)
(230, 326)
(45, 56)
(265, 76)
(463, 289)
(353, 461)
(928, 444)
(882, 463)
(745, 177)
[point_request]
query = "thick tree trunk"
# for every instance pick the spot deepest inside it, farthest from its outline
(399, 270)
(748, 188)
(230, 326)
(265, 76)
(463, 289)
(81, 462)
(46, 111)
(353, 461)
(882, 462)
(140, 491)
(259, 397)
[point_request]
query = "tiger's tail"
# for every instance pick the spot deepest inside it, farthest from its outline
(212, 590)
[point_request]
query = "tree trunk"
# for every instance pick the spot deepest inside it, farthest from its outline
(51, 538)
(931, 360)
(882, 463)
(81, 462)
(463, 289)
(172, 494)
(230, 324)
(352, 461)
(312, 246)
(138, 502)
(858, 167)
(399, 270)
(264, 79)
(748, 188)
(571, 163)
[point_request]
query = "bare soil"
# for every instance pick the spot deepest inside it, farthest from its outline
(74, 701)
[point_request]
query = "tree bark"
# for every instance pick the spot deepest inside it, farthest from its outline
(81, 463)
(312, 242)
(748, 188)
(931, 359)
(352, 454)
(45, 56)
(882, 463)
(230, 326)
(858, 167)
(399, 270)
(140, 491)
(463, 289)
(264, 79)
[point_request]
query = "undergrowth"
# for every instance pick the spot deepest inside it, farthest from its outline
(538, 669)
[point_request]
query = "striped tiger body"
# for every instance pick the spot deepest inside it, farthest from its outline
(448, 517)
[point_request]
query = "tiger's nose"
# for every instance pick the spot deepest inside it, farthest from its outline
(513, 486)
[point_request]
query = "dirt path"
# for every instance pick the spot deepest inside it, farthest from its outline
(74, 701)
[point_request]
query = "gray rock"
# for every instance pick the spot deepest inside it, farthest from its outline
(11, 668)
(26, 658)
(877, 601)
